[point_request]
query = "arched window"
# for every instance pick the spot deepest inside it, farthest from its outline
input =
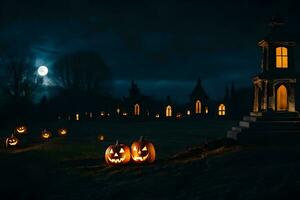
(136, 109)
(282, 98)
(281, 57)
(168, 111)
(221, 110)
(198, 107)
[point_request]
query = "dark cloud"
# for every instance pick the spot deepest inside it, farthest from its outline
(164, 45)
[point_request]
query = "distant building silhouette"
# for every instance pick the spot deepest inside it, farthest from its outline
(199, 100)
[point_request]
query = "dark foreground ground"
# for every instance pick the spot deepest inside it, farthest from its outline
(74, 168)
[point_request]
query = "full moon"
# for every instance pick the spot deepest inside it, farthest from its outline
(42, 70)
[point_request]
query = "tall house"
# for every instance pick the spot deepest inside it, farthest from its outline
(274, 87)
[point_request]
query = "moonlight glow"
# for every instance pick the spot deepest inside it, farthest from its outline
(42, 70)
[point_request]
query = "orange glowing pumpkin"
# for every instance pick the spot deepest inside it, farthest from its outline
(62, 131)
(142, 151)
(21, 129)
(117, 154)
(11, 141)
(46, 134)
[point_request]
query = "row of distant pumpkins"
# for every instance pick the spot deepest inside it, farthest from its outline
(14, 140)
(141, 151)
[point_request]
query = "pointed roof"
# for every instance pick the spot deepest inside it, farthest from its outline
(199, 92)
(134, 90)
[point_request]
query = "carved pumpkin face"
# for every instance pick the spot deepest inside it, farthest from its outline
(46, 135)
(62, 131)
(11, 141)
(142, 151)
(117, 154)
(21, 129)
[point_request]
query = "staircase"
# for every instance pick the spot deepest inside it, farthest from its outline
(267, 128)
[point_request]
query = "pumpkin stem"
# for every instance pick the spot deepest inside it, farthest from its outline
(117, 142)
(141, 138)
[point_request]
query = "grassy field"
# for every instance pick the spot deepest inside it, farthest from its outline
(74, 168)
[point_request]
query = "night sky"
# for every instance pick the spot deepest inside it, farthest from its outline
(163, 45)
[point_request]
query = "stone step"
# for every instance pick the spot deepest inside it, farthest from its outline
(237, 129)
(244, 124)
(255, 114)
(249, 119)
(233, 134)
(276, 116)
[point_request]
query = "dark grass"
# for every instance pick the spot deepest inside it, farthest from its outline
(73, 167)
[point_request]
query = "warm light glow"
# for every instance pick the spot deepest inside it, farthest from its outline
(137, 109)
(21, 129)
(198, 107)
(281, 57)
(102, 113)
(77, 117)
(188, 112)
(282, 98)
(101, 138)
(168, 111)
(206, 110)
(221, 110)
(42, 70)
(117, 154)
(125, 114)
(11, 141)
(46, 134)
(178, 115)
(62, 131)
(157, 115)
(142, 151)
(118, 111)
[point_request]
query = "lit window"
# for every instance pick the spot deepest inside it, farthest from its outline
(281, 57)
(221, 110)
(136, 109)
(206, 110)
(168, 111)
(77, 117)
(198, 107)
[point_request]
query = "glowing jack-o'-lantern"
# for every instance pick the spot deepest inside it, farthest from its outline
(46, 134)
(117, 154)
(142, 151)
(21, 129)
(62, 131)
(11, 141)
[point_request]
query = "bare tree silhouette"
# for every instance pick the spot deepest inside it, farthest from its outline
(83, 72)
(19, 79)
